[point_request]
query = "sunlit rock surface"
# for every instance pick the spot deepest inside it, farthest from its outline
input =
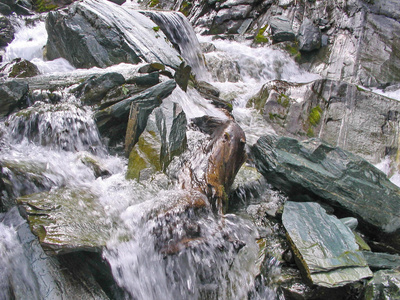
(325, 249)
(336, 176)
(66, 220)
(100, 33)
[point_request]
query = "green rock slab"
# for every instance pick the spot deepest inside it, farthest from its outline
(384, 286)
(325, 249)
(66, 220)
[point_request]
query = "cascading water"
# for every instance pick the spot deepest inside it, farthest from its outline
(181, 34)
(158, 250)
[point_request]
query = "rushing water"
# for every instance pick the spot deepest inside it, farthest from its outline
(157, 249)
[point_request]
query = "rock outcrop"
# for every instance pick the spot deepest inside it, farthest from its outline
(346, 181)
(340, 113)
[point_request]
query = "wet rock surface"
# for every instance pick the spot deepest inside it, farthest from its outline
(335, 176)
(329, 260)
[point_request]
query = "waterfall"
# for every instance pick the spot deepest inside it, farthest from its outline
(179, 31)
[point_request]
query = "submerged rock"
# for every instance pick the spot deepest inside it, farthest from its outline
(335, 176)
(325, 249)
(66, 220)
(90, 34)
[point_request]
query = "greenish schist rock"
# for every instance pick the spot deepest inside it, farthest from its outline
(340, 178)
(66, 220)
(385, 285)
(325, 249)
(112, 121)
(378, 261)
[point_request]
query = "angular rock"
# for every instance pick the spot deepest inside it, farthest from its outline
(281, 29)
(335, 176)
(93, 90)
(379, 261)
(12, 96)
(309, 36)
(325, 249)
(145, 80)
(340, 113)
(20, 68)
(384, 285)
(66, 220)
(163, 139)
(5, 9)
(112, 121)
(89, 34)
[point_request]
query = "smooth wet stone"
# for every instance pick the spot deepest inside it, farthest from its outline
(325, 249)
(334, 176)
(384, 285)
(7, 31)
(66, 220)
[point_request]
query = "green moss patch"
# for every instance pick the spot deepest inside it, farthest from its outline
(260, 38)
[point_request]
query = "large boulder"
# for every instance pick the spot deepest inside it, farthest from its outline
(309, 36)
(315, 169)
(325, 249)
(340, 113)
(89, 34)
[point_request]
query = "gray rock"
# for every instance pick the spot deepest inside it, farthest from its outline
(66, 220)
(335, 176)
(93, 90)
(234, 13)
(340, 113)
(350, 222)
(309, 36)
(379, 261)
(88, 34)
(281, 29)
(6, 31)
(325, 249)
(384, 285)
(12, 96)
(145, 80)
(112, 121)
(5, 9)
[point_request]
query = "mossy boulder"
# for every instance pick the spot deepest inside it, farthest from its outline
(20, 68)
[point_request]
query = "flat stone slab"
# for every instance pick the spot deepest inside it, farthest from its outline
(66, 220)
(335, 176)
(325, 249)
